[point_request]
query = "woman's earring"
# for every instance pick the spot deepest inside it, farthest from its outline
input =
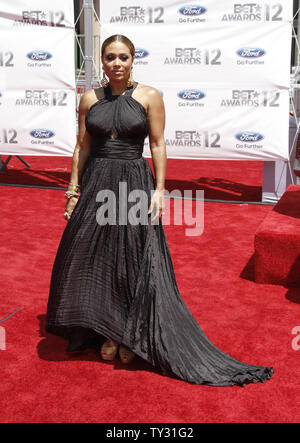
(130, 80)
(104, 81)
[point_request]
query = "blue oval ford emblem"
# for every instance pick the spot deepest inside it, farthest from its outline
(42, 133)
(141, 53)
(192, 10)
(191, 94)
(248, 136)
(251, 52)
(39, 55)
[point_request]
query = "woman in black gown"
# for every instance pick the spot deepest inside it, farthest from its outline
(113, 285)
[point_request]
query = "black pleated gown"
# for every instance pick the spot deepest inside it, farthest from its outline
(117, 280)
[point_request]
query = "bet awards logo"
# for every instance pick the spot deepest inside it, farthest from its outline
(251, 98)
(41, 18)
(139, 15)
(194, 56)
(197, 139)
(252, 12)
(42, 97)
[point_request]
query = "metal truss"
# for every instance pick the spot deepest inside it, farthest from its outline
(87, 51)
(295, 85)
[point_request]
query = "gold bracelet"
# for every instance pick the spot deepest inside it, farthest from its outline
(73, 187)
(70, 194)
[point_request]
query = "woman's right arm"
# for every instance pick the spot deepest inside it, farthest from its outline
(81, 151)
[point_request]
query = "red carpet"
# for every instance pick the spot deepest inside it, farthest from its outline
(220, 180)
(40, 382)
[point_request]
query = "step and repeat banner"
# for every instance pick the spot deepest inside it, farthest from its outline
(37, 77)
(222, 67)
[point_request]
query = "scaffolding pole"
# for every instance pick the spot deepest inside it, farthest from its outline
(88, 43)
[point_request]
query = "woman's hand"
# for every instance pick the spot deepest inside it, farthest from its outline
(157, 200)
(70, 205)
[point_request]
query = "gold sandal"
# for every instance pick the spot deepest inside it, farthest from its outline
(126, 356)
(109, 350)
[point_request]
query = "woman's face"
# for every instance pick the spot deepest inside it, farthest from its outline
(117, 61)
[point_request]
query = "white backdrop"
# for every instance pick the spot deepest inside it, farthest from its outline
(37, 77)
(223, 68)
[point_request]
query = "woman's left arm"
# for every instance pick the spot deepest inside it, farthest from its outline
(156, 123)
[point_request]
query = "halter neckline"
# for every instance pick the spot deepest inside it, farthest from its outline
(128, 91)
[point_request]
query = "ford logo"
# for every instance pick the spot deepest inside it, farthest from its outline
(39, 55)
(42, 133)
(250, 52)
(191, 94)
(192, 10)
(248, 136)
(141, 53)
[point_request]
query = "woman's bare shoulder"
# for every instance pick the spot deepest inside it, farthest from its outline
(91, 96)
(149, 95)
(149, 90)
(94, 93)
